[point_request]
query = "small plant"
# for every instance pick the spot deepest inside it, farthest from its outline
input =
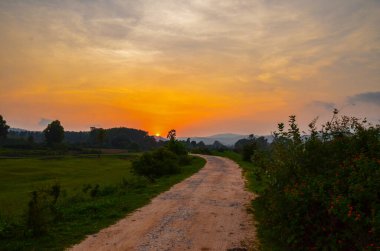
(42, 209)
(95, 191)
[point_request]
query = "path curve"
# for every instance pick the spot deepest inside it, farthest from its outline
(207, 211)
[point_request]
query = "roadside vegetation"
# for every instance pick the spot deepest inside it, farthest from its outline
(51, 204)
(319, 190)
(53, 194)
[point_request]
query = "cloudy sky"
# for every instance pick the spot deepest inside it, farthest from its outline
(201, 67)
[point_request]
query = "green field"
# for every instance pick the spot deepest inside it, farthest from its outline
(18, 177)
(120, 192)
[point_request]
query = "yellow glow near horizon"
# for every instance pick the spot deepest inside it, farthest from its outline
(165, 65)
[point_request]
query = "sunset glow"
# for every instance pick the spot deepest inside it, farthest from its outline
(201, 67)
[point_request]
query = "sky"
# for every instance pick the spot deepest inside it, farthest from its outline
(200, 67)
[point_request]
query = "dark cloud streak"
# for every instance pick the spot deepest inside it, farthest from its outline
(367, 97)
(326, 105)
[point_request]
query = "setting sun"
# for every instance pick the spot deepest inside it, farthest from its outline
(157, 134)
(169, 64)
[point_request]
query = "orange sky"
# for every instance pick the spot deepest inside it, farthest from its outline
(201, 67)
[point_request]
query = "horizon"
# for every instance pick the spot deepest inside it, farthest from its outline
(200, 67)
(154, 135)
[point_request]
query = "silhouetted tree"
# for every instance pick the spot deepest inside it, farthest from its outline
(188, 142)
(218, 146)
(201, 144)
(54, 133)
(98, 134)
(3, 128)
(193, 144)
(101, 136)
(172, 134)
(174, 145)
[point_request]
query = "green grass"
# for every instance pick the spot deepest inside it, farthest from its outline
(81, 214)
(18, 177)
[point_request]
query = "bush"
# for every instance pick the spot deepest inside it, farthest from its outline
(248, 150)
(155, 164)
(323, 191)
(176, 147)
(42, 210)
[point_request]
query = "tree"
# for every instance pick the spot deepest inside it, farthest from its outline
(3, 128)
(54, 133)
(99, 135)
(172, 134)
(174, 145)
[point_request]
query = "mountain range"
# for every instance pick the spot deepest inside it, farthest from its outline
(228, 139)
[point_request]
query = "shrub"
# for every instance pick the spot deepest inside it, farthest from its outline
(95, 191)
(155, 164)
(248, 150)
(176, 147)
(323, 191)
(42, 210)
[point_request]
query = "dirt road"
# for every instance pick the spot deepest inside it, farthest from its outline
(204, 212)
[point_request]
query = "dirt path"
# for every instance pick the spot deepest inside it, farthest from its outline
(204, 212)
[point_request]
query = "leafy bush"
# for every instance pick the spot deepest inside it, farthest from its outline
(41, 209)
(248, 150)
(323, 191)
(157, 163)
(176, 147)
(249, 146)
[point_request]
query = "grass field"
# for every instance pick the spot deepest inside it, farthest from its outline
(18, 177)
(120, 192)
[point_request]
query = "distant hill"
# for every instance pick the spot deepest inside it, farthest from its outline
(228, 139)
(17, 130)
(159, 138)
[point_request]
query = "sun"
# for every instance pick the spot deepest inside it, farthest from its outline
(158, 135)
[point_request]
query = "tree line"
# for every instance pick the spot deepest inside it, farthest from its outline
(54, 135)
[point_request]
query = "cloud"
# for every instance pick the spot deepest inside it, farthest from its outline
(326, 105)
(366, 97)
(44, 122)
(297, 51)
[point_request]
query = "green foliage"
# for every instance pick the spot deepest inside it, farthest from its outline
(164, 160)
(176, 147)
(249, 147)
(78, 213)
(54, 133)
(42, 209)
(323, 191)
(248, 150)
(157, 163)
